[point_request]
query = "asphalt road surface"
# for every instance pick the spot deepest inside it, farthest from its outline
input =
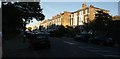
(60, 47)
(0, 44)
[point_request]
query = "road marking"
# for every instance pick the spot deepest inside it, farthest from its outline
(69, 42)
(98, 52)
(91, 51)
(112, 55)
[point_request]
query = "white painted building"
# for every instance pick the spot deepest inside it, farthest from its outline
(84, 15)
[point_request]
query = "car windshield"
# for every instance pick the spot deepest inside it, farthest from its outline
(78, 33)
(41, 35)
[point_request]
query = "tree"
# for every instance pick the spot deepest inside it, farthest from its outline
(101, 22)
(14, 13)
(29, 28)
(114, 31)
(29, 10)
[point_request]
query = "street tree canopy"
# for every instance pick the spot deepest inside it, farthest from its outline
(14, 13)
(17, 11)
(102, 21)
(29, 28)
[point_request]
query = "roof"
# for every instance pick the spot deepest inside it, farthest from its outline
(101, 9)
(89, 7)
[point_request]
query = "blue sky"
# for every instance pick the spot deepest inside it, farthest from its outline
(52, 8)
(0, 4)
(79, 0)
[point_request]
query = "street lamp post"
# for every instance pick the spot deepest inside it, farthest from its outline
(24, 28)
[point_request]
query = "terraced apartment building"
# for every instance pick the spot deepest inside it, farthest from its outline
(59, 19)
(84, 15)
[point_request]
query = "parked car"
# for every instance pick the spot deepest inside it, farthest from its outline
(101, 39)
(39, 40)
(82, 37)
(27, 34)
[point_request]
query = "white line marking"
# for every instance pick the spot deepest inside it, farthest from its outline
(99, 52)
(69, 42)
(112, 55)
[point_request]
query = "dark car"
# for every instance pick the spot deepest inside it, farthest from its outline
(39, 40)
(101, 39)
(82, 37)
(27, 34)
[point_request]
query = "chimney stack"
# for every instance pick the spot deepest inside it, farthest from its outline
(84, 5)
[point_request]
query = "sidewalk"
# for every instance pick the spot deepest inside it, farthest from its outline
(16, 43)
(14, 46)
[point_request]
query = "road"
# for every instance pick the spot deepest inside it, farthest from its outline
(0, 44)
(60, 47)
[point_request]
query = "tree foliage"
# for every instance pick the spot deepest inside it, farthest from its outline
(14, 13)
(29, 28)
(29, 10)
(114, 31)
(102, 21)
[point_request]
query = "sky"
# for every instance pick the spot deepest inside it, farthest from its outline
(79, 0)
(0, 3)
